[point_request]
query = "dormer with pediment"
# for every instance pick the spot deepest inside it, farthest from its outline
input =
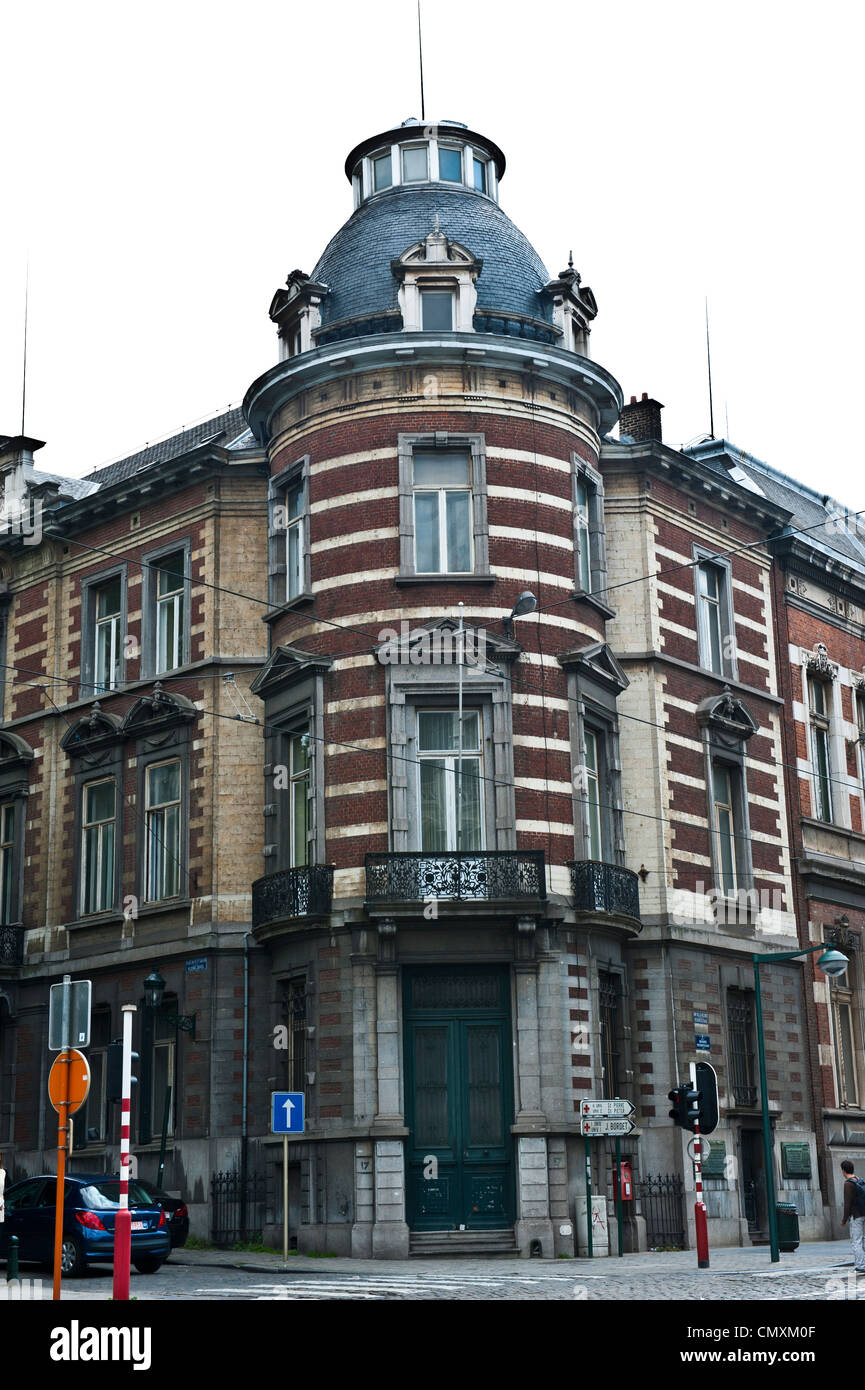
(574, 308)
(296, 311)
(436, 279)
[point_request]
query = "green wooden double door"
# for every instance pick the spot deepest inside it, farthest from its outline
(459, 1098)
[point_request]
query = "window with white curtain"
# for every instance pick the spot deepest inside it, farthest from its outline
(442, 512)
(447, 798)
(98, 845)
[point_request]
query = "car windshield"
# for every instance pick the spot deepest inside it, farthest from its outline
(105, 1196)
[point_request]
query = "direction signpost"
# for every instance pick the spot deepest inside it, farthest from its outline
(599, 1118)
(287, 1116)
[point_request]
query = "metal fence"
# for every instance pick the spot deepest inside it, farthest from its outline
(238, 1207)
(662, 1199)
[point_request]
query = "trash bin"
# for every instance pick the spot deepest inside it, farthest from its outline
(787, 1214)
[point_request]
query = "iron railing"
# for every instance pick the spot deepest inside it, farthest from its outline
(463, 875)
(238, 1208)
(11, 946)
(287, 893)
(662, 1200)
(601, 887)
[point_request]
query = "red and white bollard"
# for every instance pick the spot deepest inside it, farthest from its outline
(123, 1221)
(700, 1222)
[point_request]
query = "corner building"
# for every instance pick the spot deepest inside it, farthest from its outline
(433, 894)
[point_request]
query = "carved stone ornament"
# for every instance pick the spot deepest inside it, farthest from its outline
(858, 680)
(728, 717)
(818, 663)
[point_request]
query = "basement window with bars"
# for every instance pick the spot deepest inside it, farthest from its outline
(609, 1011)
(293, 1013)
(740, 1036)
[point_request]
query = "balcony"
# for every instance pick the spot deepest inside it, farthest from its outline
(606, 888)
(476, 876)
(11, 947)
(291, 893)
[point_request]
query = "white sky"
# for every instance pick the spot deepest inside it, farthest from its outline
(165, 166)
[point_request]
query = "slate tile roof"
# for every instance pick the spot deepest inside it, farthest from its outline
(226, 429)
(356, 264)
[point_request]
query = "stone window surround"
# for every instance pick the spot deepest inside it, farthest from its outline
(735, 759)
(589, 705)
(362, 174)
(411, 688)
(15, 787)
(148, 606)
(474, 444)
(299, 704)
(817, 667)
(844, 992)
(729, 663)
(580, 469)
(88, 623)
(277, 565)
(86, 772)
(176, 746)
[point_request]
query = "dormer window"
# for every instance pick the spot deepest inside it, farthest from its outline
(382, 171)
(414, 164)
(450, 164)
(437, 310)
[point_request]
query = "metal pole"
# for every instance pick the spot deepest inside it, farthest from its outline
(123, 1221)
(62, 1129)
(166, 1111)
(619, 1211)
(700, 1222)
(460, 736)
(285, 1199)
(767, 1128)
(589, 1243)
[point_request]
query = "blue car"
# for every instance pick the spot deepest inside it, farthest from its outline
(90, 1205)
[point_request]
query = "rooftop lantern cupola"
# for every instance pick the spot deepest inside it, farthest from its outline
(414, 153)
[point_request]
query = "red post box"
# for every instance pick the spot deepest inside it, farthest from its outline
(627, 1182)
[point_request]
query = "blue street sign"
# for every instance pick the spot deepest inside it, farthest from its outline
(287, 1112)
(702, 1042)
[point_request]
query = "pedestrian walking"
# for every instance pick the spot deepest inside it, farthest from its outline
(854, 1212)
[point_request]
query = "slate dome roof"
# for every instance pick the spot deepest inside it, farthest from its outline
(356, 264)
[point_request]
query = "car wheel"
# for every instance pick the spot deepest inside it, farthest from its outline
(149, 1265)
(72, 1262)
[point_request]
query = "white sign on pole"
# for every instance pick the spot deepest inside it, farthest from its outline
(69, 1026)
(597, 1129)
(605, 1109)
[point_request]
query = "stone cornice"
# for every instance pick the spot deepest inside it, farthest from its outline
(326, 364)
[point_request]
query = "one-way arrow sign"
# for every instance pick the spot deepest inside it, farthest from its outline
(605, 1109)
(287, 1112)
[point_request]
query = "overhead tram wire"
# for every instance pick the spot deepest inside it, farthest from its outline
(393, 757)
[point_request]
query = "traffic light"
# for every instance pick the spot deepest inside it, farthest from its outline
(114, 1075)
(692, 1106)
(677, 1114)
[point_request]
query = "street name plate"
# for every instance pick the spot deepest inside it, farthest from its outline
(605, 1109)
(597, 1129)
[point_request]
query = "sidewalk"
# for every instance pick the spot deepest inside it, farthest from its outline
(728, 1260)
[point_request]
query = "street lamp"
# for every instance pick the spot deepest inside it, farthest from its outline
(831, 962)
(526, 603)
(154, 990)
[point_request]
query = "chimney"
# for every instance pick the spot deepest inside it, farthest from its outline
(641, 419)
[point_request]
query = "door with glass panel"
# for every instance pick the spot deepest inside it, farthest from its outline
(459, 1098)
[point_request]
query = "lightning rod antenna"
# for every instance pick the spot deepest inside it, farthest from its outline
(420, 55)
(709, 365)
(24, 367)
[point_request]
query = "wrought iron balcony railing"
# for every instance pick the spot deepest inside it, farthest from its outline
(468, 875)
(11, 946)
(601, 887)
(305, 892)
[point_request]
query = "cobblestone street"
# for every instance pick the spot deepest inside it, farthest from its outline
(818, 1272)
